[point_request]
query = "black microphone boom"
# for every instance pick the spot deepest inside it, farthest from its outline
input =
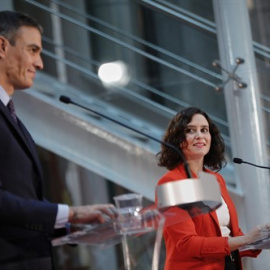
(67, 100)
(237, 160)
(240, 161)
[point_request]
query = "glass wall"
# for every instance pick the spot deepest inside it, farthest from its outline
(168, 49)
(259, 11)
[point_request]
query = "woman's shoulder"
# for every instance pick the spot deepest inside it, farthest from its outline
(216, 174)
(172, 175)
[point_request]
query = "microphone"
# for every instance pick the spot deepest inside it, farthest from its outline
(68, 100)
(65, 99)
(240, 161)
(207, 193)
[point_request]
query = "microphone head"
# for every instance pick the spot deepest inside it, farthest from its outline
(65, 99)
(237, 160)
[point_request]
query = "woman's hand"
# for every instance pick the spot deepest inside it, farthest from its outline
(257, 233)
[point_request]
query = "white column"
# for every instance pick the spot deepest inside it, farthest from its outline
(244, 113)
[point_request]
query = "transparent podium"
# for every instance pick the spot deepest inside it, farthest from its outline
(139, 230)
(140, 236)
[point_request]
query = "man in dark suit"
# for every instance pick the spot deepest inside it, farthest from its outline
(26, 219)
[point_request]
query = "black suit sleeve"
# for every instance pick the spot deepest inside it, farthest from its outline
(27, 213)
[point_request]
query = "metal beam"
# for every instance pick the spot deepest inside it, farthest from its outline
(93, 143)
(246, 123)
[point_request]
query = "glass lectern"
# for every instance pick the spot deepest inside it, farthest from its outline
(139, 230)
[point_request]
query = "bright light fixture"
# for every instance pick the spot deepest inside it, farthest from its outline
(114, 73)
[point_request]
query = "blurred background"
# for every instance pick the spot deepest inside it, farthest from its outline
(139, 62)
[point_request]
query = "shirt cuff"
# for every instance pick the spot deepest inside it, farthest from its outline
(62, 216)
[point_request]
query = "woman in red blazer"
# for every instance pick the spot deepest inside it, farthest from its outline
(209, 241)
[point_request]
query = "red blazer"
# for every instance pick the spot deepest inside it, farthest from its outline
(196, 243)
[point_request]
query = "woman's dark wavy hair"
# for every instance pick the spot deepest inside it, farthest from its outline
(175, 135)
(10, 23)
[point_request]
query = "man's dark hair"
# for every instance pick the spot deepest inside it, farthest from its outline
(10, 23)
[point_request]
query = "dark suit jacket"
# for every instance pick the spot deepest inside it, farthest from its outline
(26, 219)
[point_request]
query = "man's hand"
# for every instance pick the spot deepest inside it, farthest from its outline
(97, 213)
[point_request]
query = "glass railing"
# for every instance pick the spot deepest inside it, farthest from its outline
(154, 54)
(171, 62)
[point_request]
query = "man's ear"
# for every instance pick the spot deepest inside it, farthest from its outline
(3, 46)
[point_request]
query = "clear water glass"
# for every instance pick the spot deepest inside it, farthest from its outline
(129, 207)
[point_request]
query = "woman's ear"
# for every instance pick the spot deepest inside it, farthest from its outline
(182, 144)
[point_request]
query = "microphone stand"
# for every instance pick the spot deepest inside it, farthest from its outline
(258, 166)
(207, 202)
(240, 161)
(208, 192)
(68, 100)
